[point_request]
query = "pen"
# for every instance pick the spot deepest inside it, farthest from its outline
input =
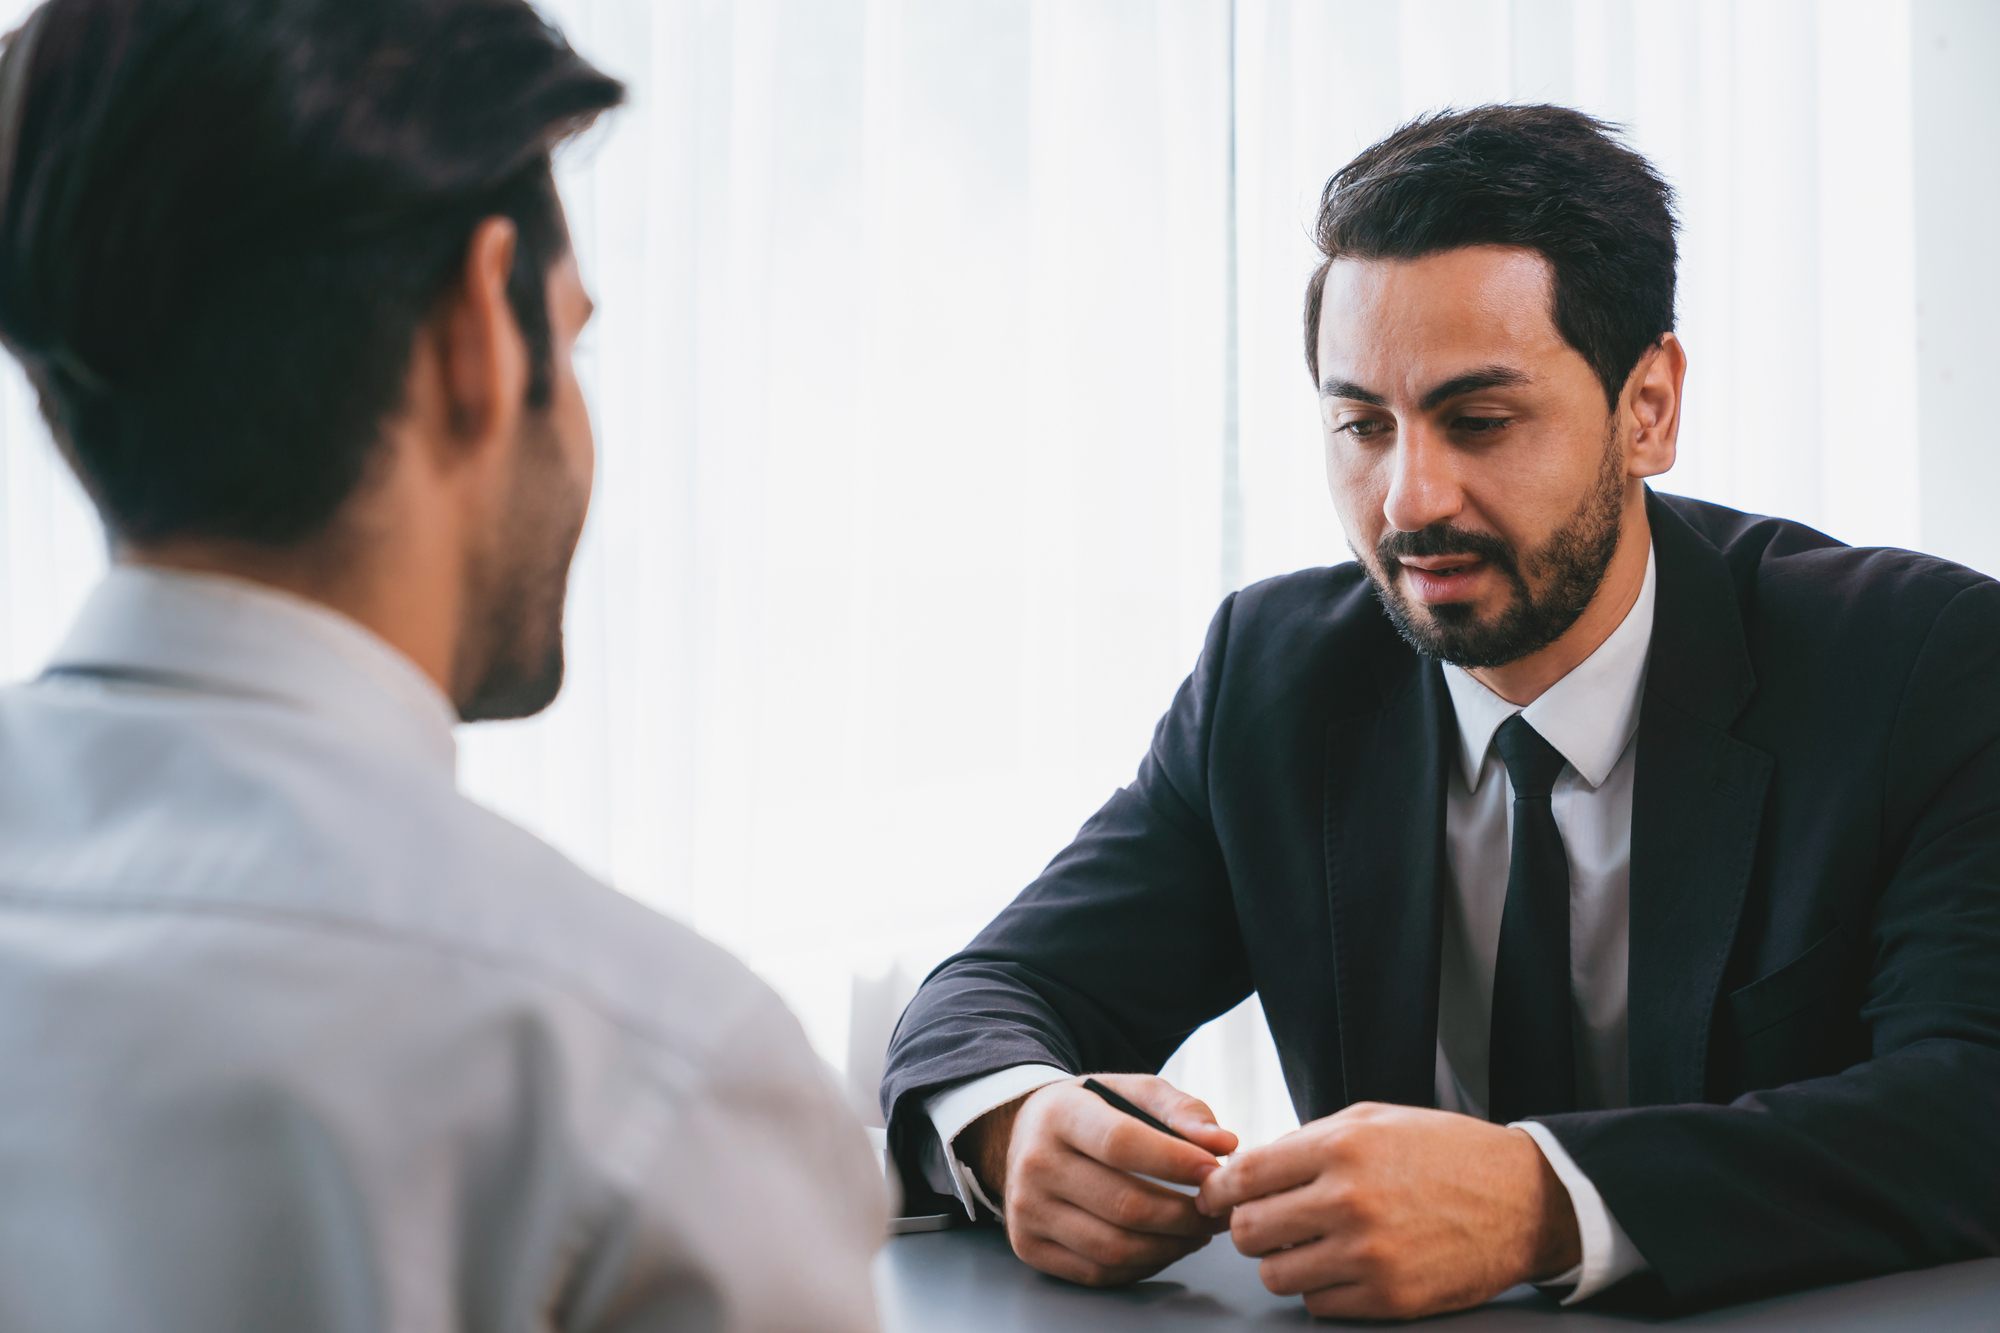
(1120, 1104)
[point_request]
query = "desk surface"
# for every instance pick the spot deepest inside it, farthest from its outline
(970, 1282)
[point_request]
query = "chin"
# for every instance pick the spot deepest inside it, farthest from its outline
(1453, 615)
(516, 689)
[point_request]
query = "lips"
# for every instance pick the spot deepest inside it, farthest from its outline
(1441, 578)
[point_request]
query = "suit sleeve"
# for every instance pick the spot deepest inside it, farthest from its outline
(1124, 945)
(1893, 1163)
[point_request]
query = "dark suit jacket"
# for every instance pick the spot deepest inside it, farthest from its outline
(1815, 901)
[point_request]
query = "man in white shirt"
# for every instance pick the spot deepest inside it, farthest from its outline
(296, 1036)
(1620, 875)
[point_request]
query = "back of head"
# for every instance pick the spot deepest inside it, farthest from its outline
(222, 222)
(1541, 178)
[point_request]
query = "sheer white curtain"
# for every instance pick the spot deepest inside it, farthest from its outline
(910, 389)
(1785, 128)
(948, 371)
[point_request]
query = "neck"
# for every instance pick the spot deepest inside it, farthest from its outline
(405, 599)
(1524, 681)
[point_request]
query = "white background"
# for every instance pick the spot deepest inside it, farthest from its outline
(931, 433)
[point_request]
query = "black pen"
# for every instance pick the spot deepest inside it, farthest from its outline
(1120, 1104)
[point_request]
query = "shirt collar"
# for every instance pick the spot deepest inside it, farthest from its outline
(1589, 715)
(225, 635)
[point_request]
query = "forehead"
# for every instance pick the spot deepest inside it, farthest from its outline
(1388, 323)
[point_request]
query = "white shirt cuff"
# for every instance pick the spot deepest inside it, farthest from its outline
(1609, 1256)
(954, 1108)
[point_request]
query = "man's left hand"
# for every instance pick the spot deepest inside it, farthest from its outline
(1391, 1212)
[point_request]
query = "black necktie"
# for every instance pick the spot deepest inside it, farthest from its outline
(1531, 1066)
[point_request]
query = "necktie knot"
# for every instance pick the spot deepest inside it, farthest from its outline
(1532, 763)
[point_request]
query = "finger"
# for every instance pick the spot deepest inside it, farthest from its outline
(1126, 1201)
(1188, 1116)
(1054, 1173)
(1090, 1125)
(1295, 1217)
(1286, 1164)
(1122, 1255)
(1314, 1266)
(1368, 1300)
(1349, 1300)
(1049, 1257)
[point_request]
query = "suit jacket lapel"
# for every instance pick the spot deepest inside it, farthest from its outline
(1697, 800)
(1385, 864)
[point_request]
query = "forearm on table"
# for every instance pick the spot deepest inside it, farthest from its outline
(1874, 1170)
(969, 1124)
(977, 1018)
(1605, 1254)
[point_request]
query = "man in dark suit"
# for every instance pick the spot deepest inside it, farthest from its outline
(1620, 874)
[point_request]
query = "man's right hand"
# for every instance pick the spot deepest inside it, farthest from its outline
(1064, 1166)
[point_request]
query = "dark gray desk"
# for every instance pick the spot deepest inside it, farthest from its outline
(970, 1282)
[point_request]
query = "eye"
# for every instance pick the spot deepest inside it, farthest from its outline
(1361, 428)
(1482, 425)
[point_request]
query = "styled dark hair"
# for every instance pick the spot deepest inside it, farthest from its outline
(223, 221)
(1542, 178)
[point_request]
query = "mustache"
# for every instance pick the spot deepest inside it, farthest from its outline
(1443, 539)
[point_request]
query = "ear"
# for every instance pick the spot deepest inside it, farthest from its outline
(481, 356)
(1653, 403)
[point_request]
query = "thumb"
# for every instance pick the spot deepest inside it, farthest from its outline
(1191, 1118)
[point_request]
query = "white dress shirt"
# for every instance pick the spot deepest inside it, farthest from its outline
(1591, 716)
(296, 1036)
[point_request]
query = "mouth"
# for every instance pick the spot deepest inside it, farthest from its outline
(1441, 578)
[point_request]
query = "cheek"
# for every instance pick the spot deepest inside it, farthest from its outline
(1537, 483)
(572, 422)
(1359, 486)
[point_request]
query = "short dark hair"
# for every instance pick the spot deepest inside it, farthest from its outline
(1542, 178)
(223, 221)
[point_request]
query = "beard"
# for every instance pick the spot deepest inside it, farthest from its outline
(1569, 568)
(512, 644)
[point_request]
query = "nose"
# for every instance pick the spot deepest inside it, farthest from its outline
(1423, 483)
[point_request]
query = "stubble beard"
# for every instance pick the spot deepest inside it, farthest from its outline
(1570, 567)
(513, 634)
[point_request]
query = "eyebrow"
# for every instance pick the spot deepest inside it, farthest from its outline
(1486, 377)
(1350, 390)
